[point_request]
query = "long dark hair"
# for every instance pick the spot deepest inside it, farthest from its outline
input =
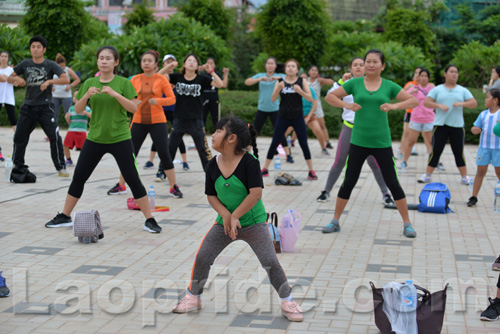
(245, 133)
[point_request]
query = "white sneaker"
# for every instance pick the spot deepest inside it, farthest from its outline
(424, 179)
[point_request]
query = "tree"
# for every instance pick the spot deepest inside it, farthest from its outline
(209, 12)
(178, 36)
(294, 29)
(410, 27)
(15, 42)
(141, 16)
(62, 24)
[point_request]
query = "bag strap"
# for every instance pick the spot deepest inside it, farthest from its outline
(274, 218)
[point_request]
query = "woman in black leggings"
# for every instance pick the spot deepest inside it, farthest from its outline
(291, 89)
(111, 97)
(448, 100)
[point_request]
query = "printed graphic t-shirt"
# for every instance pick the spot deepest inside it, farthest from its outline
(189, 103)
(233, 190)
(36, 75)
(371, 124)
(109, 121)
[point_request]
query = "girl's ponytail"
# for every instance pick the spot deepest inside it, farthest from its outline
(253, 138)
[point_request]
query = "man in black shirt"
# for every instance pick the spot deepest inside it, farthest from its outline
(37, 106)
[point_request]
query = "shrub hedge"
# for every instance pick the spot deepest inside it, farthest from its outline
(244, 105)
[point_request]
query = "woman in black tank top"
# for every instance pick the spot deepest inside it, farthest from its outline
(291, 89)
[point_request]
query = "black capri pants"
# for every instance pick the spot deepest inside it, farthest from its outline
(159, 135)
(92, 153)
(300, 128)
(11, 113)
(260, 119)
(457, 141)
(385, 159)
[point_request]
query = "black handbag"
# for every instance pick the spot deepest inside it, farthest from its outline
(430, 310)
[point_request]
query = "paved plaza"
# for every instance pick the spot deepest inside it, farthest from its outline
(129, 281)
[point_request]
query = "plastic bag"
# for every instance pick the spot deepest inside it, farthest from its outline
(289, 230)
(403, 317)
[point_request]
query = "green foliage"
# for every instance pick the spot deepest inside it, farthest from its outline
(177, 35)
(410, 27)
(94, 29)
(358, 26)
(294, 29)
(481, 26)
(245, 46)
(14, 41)
(259, 63)
(209, 12)
(62, 25)
(141, 16)
(474, 62)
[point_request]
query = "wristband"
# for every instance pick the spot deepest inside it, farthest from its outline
(341, 82)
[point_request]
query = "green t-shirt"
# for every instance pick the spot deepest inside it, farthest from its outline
(371, 127)
(109, 123)
(233, 190)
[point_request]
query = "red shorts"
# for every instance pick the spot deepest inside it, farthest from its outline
(75, 138)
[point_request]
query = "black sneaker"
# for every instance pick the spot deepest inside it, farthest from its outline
(265, 172)
(151, 226)
(60, 220)
(175, 191)
(325, 196)
(328, 145)
(4, 290)
(388, 199)
(117, 190)
(492, 312)
(472, 202)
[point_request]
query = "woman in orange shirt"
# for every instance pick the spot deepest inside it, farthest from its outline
(150, 118)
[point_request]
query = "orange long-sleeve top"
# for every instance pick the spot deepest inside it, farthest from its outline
(154, 86)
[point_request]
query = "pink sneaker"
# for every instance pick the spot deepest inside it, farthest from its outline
(292, 311)
(187, 304)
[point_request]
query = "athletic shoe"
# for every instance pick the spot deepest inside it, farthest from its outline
(60, 220)
(265, 172)
(117, 190)
(424, 179)
(160, 176)
(68, 163)
(292, 311)
(404, 165)
(329, 146)
(387, 199)
(400, 156)
(465, 181)
(325, 196)
(289, 159)
(408, 231)
(188, 304)
(151, 226)
(148, 165)
(496, 265)
(414, 151)
(334, 226)
(440, 167)
(325, 152)
(185, 166)
(63, 173)
(472, 202)
(1, 156)
(175, 191)
(492, 312)
(4, 290)
(312, 175)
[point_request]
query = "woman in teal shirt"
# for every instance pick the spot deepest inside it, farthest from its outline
(371, 135)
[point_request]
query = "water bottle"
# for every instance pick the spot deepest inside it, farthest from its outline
(151, 197)
(277, 166)
(8, 168)
(289, 140)
(471, 184)
(408, 307)
(403, 167)
(496, 203)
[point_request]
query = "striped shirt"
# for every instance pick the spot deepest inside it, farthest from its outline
(486, 121)
(78, 123)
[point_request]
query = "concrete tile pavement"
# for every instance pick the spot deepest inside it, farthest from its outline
(129, 281)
